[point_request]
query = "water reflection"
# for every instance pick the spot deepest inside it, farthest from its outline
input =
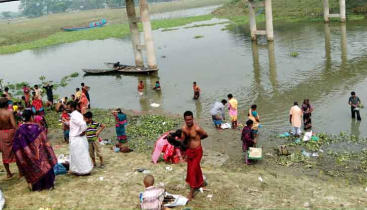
(199, 108)
(355, 127)
(343, 30)
(256, 65)
(272, 67)
(328, 62)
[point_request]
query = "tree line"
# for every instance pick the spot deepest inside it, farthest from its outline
(36, 8)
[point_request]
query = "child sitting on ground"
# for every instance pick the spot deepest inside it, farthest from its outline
(152, 197)
(92, 136)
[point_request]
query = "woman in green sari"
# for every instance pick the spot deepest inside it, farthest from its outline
(121, 121)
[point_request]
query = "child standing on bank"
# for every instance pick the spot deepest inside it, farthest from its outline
(92, 134)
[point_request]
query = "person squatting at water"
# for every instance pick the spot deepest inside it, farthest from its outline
(295, 116)
(354, 103)
(197, 90)
(157, 86)
(217, 112)
(232, 107)
(255, 118)
(248, 139)
(193, 133)
(307, 109)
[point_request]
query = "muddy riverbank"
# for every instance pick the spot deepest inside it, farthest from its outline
(297, 182)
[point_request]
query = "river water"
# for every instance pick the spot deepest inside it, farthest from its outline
(332, 62)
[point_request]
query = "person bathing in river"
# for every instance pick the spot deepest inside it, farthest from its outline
(197, 91)
(141, 88)
(354, 103)
(193, 134)
(157, 86)
(254, 116)
(232, 106)
(307, 109)
(248, 139)
(217, 112)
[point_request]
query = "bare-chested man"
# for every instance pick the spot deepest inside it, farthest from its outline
(7, 131)
(193, 134)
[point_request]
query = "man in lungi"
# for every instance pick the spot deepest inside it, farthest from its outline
(232, 106)
(7, 131)
(193, 134)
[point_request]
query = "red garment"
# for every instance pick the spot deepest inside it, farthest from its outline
(194, 175)
(6, 145)
(37, 104)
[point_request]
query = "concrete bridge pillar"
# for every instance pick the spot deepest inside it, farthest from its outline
(148, 35)
(269, 20)
(252, 19)
(326, 11)
(342, 11)
(134, 32)
(269, 32)
(341, 15)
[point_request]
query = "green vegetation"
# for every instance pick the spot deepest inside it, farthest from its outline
(323, 148)
(111, 31)
(291, 8)
(198, 36)
(22, 30)
(204, 25)
(294, 54)
(288, 10)
(141, 129)
(169, 29)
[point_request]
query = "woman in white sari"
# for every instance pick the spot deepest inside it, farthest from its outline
(80, 162)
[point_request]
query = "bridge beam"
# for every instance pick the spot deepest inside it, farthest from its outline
(341, 15)
(269, 20)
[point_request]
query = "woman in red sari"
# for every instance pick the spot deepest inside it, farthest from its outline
(26, 91)
(83, 103)
(34, 154)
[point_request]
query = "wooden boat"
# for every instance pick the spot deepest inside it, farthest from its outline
(91, 25)
(121, 69)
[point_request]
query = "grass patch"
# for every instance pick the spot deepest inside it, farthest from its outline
(294, 54)
(204, 25)
(24, 30)
(169, 29)
(198, 37)
(111, 31)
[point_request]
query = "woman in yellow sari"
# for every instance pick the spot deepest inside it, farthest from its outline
(254, 116)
